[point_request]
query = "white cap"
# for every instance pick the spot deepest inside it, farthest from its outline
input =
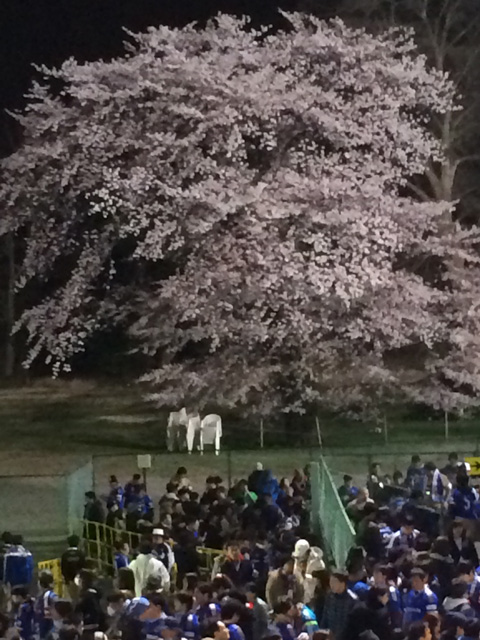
(259, 466)
(158, 532)
(302, 547)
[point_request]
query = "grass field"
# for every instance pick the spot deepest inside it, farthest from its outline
(47, 425)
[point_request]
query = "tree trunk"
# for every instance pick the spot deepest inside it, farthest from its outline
(10, 307)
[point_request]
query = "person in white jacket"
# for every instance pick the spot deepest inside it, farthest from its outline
(146, 566)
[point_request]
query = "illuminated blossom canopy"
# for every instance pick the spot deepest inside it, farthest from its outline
(238, 200)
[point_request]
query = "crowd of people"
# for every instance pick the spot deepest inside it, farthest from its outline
(412, 574)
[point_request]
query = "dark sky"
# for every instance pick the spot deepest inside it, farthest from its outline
(48, 31)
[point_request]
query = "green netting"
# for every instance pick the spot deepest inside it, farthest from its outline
(329, 518)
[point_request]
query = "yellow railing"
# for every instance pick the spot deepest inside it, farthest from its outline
(100, 540)
(55, 567)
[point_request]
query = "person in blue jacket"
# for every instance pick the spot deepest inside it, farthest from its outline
(282, 621)
(117, 493)
(122, 555)
(24, 613)
(154, 617)
(187, 619)
(206, 609)
(420, 600)
(44, 604)
(17, 564)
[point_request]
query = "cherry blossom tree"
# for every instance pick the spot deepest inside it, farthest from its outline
(237, 200)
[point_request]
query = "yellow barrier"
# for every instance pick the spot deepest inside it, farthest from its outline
(54, 566)
(100, 541)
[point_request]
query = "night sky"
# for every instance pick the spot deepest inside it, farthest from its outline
(49, 31)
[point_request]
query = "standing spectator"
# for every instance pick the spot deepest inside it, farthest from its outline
(115, 610)
(94, 511)
(375, 482)
(214, 630)
(122, 555)
(116, 495)
(457, 601)
(206, 609)
(162, 549)
(438, 485)
(186, 617)
(347, 492)
(24, 613)
(154, 616)
(416, 479)
(405, 537)
(18, 564)
(338, 604)
(420, 600)
(44, 603)
(186, 549)
(131, 488)
(146, 566)
(461, 546)
(115, 518)
(283, 583)
(259, 610)
(419, 631)
(382, 578)
(371, 615)
(88, 605)
(232, 612)
(236, 567)
(272, 515)
(283, 621)
(180, 479)
(464, 500)
(72, 562)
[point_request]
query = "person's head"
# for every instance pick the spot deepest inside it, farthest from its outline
(126, 579)
(19, 594)
(284, 609)
(458, 588)
(430, 467)
(347, 481)
(153, 585)
(462, 481)
(338, 582)
(458, 529)
(182, 602)
(380, 575)
(232, 611)
(408, 525)
(418, 579)
(419, 631)
(45, 579)
(251, 591)
(181, 473)
(215, 629)
(453, 458)
(375, 468)
(121, 546)
(472, 628)
(192, 523)
(288, 565)
(73, 541)
(203, 593)
(454, 623)
(233, 551)
(416, 461)
(158, 536)
(156, 606)
(62, 610)
(184, 494)
(85, 579)
(363, 494)
(90, 497)
(170, 628)
(397, 477)
(378, 596)
(17, 540)
(136, 478)
(466, 571)
(113, 482)
(115, 603)
(145, 548)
